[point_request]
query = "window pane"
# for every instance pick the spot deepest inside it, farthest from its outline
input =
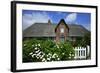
(62, 30)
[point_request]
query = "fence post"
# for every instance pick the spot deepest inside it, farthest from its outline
(88, 50)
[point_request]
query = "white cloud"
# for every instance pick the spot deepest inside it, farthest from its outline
(29, 19)
(71, 18)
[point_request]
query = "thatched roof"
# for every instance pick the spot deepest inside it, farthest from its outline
(45, 30)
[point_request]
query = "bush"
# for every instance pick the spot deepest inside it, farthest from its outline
(83, 41)
(86, 39)
(46, 50)
(66, 51)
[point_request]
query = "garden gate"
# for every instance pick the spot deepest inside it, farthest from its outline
(81, 52)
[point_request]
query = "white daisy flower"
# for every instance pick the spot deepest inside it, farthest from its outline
(69, 54)
(63, 53)
(53, 56)
(72, 54)
(24, 44)
(37, 51)
(56, 55)
(50, 54)
(43, 53)
(57, 46)
(58, 58)
(31, 53)
(37, 57)
(41, 57)
(43, 60)
(69, 57)
(33, 45)
(35, 48)
(48, 58)
(38, 44)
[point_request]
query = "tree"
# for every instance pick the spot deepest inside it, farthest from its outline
(86, 40)
(83, 41)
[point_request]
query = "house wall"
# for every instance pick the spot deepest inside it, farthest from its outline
(59, 34)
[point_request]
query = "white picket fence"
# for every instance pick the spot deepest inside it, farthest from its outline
(81, 52)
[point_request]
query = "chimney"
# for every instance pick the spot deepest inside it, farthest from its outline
(49, 22)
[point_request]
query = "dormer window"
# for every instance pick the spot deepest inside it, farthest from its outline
(61, 30)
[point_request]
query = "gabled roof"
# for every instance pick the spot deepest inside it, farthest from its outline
(62, 21)
(45, 30)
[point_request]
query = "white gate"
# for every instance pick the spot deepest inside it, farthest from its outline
(81, 52)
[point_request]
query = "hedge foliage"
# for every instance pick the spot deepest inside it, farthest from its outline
(46, 50)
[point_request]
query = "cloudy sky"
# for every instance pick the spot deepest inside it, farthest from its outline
(30, 17)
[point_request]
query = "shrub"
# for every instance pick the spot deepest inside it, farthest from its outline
(83, 41)
(46, 50)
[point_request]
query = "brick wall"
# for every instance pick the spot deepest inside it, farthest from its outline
(59, 34)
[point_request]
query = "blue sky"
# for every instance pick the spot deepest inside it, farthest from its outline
(30, 17)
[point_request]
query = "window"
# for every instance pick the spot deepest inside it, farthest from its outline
(61, 30)
(62, 38)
